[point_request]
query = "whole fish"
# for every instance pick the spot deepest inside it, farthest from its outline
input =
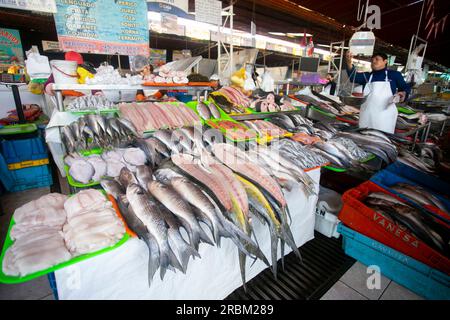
(128, 126)
(68, 139)
(214, 111)
(419, 194)
(160, 147)
(126, 177)
(251, 172)
(165, 136)
(115, 125)
(333, 151)
(144, 176)
(203, 111)
(138, 227)
(214, 188)
(91, 121)
(76, 130)
(149, 150)
(112, 187)
(178, 244)
(183, 140)
(172, 201)
(148, 212)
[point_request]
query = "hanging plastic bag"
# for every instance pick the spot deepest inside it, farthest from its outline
(249, 83)
(37, 65)
(267, 82)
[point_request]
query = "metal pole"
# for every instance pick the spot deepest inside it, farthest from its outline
(18, 102)
(59, 100)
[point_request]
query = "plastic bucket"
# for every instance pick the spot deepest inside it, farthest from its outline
(64, 72)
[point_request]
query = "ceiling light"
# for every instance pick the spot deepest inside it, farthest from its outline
(300, 34)
(281, 34)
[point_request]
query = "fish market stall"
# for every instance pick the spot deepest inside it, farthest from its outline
(122, 273)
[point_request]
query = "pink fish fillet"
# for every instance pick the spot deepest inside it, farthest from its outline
(251, 171)
(186, 163)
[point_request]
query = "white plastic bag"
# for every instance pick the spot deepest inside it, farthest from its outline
(249, 83)
(37, 66)
(267, 83)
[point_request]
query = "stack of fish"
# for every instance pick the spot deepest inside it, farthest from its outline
(224, 188)
(94, 167)
(165, 75)
(302, 156)
(160, 115)
(420, 196)
(92, 131)
(373, 141)
(428, 158)
(235, 96)
(90, 102)
(208, 110)
(265, 128)
(293, 123)
(418, 223)
(268, 104)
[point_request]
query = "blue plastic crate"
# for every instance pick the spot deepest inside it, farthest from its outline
(27, 178)
(410, 273)
(387, 179)
(430, 182)
(15, 151)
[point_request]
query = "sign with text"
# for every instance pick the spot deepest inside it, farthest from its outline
(34, 5)
(103, 26)
(50, 45)
(208, 11)
(10, 46)
(176, 7)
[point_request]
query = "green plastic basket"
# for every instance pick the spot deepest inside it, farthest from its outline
(12, 280)
(18, 129)
(72, 181)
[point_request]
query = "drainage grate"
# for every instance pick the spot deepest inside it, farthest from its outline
(324, 262)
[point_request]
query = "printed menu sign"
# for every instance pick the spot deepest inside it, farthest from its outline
(103, 26)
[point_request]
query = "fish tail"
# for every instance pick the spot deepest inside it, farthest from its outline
(282, 253)
(153, 257)
(242, 258)
(168, 258)
(273, 250)
(184, 250)
(204, 237)
(289, 238)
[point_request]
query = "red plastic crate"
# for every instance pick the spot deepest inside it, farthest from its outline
(368, 222)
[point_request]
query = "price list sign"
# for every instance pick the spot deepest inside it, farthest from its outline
(103, 26)
(208, 11)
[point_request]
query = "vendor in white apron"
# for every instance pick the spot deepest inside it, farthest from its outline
(378, 111)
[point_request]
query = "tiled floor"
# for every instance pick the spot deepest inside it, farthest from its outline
(354, 285)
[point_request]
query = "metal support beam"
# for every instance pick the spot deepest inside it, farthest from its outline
(336, 53)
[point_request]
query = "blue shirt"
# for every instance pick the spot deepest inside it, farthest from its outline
(395, 79)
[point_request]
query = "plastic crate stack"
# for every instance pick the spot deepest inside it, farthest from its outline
(24, 164)
(373, 240)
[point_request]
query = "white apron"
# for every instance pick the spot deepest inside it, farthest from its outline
(378, 111)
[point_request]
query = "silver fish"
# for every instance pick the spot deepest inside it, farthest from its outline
(203, 111)
(173, 201)
(144, 175)
(126, 177)
(148, 212)
(214, 111)
(112, 187)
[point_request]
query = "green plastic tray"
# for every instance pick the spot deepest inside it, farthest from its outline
(405, 110)
(18, 129)
(72, 181)
(371, 157)
(11, 279)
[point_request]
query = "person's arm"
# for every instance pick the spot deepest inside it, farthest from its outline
(357, 77)
(403, 89)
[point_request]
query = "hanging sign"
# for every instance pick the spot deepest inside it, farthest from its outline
(103, 26)
(50, 46)
(208, 11)
(10, 46)
(34, 5)
(175, 7)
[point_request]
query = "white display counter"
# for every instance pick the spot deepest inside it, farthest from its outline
(122, 273)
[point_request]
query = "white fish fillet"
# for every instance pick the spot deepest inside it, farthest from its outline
(113, 167)
(99, 166)
(135, 157)
(45, 216)
(20, 230)
(81, 171)
(85, 200)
